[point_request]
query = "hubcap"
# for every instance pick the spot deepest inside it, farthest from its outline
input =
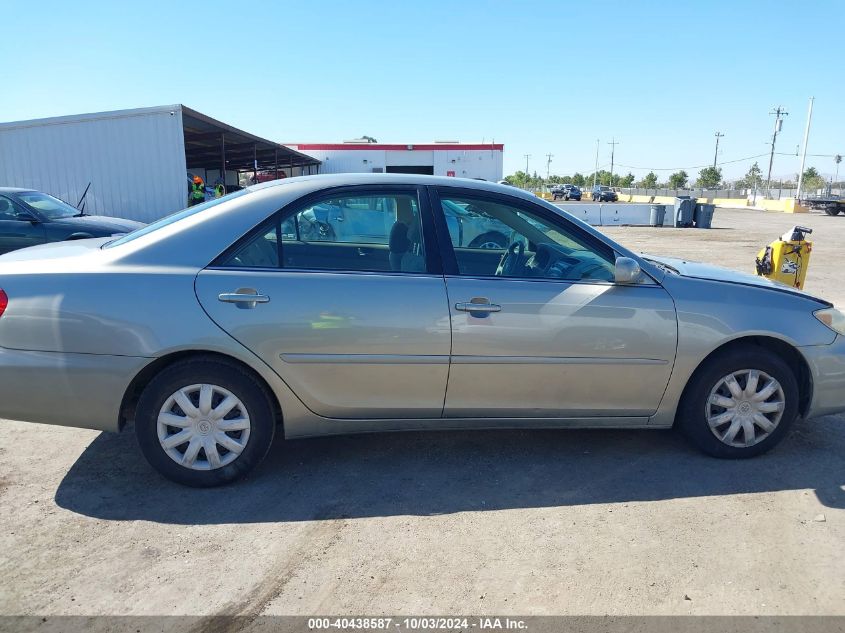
(745, 407)
(203, 427)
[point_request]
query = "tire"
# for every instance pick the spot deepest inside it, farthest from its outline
(830, 211)
(696, 407)
(250, 424)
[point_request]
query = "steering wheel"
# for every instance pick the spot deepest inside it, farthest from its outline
(512, 261)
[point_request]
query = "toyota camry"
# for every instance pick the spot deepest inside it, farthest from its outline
(218, 327)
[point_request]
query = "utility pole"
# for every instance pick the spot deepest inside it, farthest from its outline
(779, 114)
(527, 177)
(548, 166)
(804, 155)
(716, 155)
(596, 170)
(613, 143)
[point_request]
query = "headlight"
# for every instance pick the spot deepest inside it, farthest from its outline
(832, 318)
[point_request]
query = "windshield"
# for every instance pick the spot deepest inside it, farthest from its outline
(173, 218)
(51, 207)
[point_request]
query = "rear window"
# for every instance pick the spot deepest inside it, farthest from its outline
(173, 218)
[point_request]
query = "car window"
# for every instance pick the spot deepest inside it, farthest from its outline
(536, 248)
(175, 217)
(470, 227)
(8, 211)
(49, 206)
(368, 233)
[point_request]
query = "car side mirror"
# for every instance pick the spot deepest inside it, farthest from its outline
(23, 216)
(628, 271)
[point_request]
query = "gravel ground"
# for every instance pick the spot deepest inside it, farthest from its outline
(522, 522)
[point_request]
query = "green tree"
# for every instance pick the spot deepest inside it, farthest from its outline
(578, 179)
(649, 181)
(518, 179)
(754, 175)
(626, 181)
(812, 179)
(709, 178)
(678, 180)
(602, 178)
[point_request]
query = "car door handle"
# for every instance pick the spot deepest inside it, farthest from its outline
(244, 298)
(477, 306)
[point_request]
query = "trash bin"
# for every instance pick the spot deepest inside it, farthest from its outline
(703, 217)
(684, 211)
(658, 215)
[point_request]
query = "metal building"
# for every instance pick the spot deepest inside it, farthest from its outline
(136, 161)
(441, 158)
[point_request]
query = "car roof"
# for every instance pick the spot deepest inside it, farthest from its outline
(14, 190)
(323, 181)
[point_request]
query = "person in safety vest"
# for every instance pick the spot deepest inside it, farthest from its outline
(219, 188)
(197, 192)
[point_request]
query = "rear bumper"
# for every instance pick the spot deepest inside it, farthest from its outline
(81, 390)
(827, 369)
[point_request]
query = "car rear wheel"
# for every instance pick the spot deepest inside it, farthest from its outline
(204, 423)
(741, 403)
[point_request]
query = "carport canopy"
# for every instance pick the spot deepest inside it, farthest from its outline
(212, 143)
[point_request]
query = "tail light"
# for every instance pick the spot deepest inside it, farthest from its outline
(4, 301)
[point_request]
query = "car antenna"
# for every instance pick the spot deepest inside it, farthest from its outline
(82, 200)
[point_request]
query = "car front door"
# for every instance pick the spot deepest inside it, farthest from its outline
(18, 228)
(541, 329)
(356, 322)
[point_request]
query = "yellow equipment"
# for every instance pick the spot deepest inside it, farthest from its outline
(787, 258)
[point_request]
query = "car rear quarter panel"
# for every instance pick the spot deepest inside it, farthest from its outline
(712, 314)
(70, 345)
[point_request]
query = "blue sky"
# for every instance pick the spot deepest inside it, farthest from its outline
(540, 77)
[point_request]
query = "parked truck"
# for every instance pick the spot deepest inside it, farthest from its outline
(829, 203)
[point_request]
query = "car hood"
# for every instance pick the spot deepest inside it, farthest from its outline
(697, 270)
(99, 223)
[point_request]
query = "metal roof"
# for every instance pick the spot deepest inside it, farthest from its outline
(206, 139)
(436, 146)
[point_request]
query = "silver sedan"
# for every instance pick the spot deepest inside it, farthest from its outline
(224, 324)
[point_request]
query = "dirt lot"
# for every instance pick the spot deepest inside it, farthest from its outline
(601, 522)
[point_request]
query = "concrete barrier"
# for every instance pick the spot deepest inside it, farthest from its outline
(638, 211)
(620, 214)
(616, 214)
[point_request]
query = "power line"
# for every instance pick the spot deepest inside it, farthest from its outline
(724, 162)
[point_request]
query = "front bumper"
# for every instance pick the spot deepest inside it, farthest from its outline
(827, 370)
(81, 390)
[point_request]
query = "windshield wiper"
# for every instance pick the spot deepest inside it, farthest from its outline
(663, 265)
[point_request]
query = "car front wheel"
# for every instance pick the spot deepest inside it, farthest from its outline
(204, 422)
(741, 403)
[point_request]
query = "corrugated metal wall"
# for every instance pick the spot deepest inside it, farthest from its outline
(134, 160)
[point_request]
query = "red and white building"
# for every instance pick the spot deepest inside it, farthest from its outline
(461, 160)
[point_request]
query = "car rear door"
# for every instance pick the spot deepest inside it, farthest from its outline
(18, 228)
(357, 329)
(557, 337)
